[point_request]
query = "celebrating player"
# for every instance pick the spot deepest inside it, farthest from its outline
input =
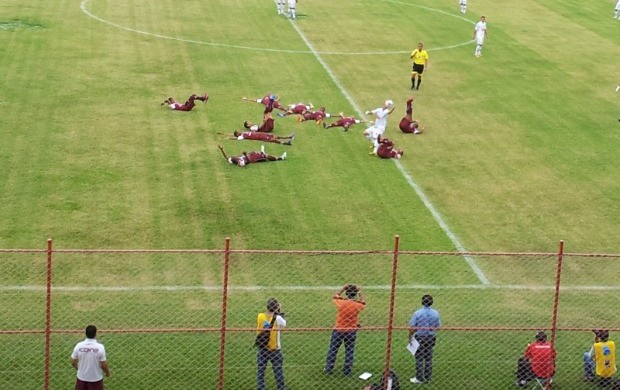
(268, 122)
(251, 157)
(265, 137)
(378, 128)
(188, 105)
(298, 109)
(269, 98)
(316, 116)
(345, 122)
(408, 124)
(386, 149)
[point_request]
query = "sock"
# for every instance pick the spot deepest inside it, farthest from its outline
(419, 82)
(412, 82)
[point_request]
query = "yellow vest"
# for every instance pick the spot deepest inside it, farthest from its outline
(262, 321)
(605, 358)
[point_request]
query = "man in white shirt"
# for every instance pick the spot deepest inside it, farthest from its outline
(89, 359)
(480, 34)
(292, 13)
(378, 128)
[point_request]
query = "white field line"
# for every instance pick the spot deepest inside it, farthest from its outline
(212, 288)
(85, 10)
(418, 190)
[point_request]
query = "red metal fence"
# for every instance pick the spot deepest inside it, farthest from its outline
(187, 318)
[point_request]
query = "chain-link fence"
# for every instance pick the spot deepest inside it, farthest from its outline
(188, 319)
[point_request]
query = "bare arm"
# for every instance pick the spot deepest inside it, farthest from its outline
(223, 152)
(74, 363)
(105, 368)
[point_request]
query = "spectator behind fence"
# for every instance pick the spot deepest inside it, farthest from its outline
(537, 362)
(272, 320)
(345, 330)
(600, 360)
(89, 359)
(422, 327)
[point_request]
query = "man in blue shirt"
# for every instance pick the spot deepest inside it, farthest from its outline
(422, 326)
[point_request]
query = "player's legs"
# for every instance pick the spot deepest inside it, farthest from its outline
(479, 43)
(413, 76)
(280, 5)
(291, 10)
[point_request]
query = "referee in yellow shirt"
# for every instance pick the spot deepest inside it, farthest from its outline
(420, 61)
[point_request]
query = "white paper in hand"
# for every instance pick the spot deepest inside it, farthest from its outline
(413, 346)
(365, 376)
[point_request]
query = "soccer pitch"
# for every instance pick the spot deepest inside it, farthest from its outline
(520, 148)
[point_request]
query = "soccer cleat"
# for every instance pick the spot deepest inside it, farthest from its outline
(292, 136)
(324, 125)
(287, 142)
(262, 148)
(281, 115)
(415, 381)
(283, 156)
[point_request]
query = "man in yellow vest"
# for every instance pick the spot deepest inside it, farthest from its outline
(601, 359)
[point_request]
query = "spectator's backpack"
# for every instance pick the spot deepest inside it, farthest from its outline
(392, 382)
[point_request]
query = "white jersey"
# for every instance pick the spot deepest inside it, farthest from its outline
(463, 2)
(481, 30)
(89, 354)
(292, 3)
(618, 5)
(382, 117)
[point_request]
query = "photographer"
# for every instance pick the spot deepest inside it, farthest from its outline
(272, 320)
(345, 330)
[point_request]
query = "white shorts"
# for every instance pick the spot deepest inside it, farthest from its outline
(479, 40)
(374, 132)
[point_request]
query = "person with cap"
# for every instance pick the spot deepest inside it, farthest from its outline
(378, 128)
(600, 359)
(251, 157)
(272, 320)
(538, 361)
(423, 326)
(345, 330)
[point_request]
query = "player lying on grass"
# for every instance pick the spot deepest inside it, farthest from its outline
(265, 137)
(386, 149)
(316, 116)
(251, 157)
(345, 122)
(188, 105)
(268, 123)
(408, 124)
(270, 98)
(297, 109)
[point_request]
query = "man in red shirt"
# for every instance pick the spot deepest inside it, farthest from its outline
(188, 105)
(541, 357)
(345, 330)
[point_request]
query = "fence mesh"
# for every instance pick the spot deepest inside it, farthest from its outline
(169, 320)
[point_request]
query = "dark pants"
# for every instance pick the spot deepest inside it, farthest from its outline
(424, 357)
(338, 338)
(81, 385)
(262, 358)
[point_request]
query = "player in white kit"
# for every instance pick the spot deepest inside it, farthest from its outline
(480, 34)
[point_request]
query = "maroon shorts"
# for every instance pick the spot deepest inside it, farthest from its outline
(81, 385)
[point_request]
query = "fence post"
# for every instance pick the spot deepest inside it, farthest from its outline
(220, 377)
(48, 316)
(388, 347)
(556, 299)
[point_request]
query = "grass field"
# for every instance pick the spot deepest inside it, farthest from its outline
(520, 151)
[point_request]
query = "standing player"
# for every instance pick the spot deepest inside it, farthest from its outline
(251, 157)
(463, 4)
(407, 124)
(188, 105)
(480, 34)
(420, 61)
(291, 9)
(374, 132)
(280, 6)
(345, 122)
(386, 149)
(265, 137)
(617, 10)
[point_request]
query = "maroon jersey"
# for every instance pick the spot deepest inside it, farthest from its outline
(386, 149)
(266, 100)
(346, 121)
(406, 126)
(267, 126)
(299, 109)
(255, 157)
(314, 115)
(184, 107)
(256, 136)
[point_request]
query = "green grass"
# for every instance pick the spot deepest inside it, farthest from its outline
(520, 152)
